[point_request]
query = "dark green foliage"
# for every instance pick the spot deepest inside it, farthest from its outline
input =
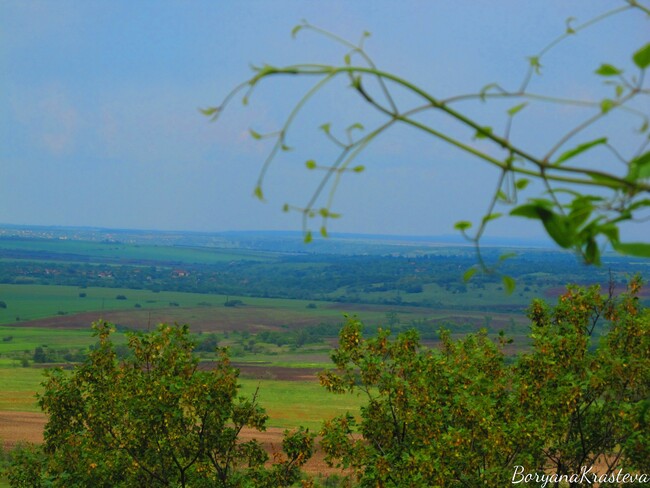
(41, 355)
(463, 416)
(589, 400)
(377, 278)
(207, 344)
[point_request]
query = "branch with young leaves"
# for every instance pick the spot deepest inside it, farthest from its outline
(581, 207)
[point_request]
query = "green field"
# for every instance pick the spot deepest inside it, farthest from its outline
(83, 251)
(21, 339)
(32, 302)
(60, 308)
(289, 404)
(19, 388)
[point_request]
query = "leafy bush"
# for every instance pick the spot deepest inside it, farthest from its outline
(153, 419)
(463, 415)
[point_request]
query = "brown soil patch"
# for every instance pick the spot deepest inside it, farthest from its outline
(271, 439)
(18, 427)
(214, 319)
(77, 321)
(266, 372)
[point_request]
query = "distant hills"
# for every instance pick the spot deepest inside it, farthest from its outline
(280, 241)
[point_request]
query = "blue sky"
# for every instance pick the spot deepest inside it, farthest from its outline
(100, 124)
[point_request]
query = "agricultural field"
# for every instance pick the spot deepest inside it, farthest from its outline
(278, 310)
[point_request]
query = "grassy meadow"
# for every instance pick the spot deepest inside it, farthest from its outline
(289, 404)
(19, 388)
(26, 303)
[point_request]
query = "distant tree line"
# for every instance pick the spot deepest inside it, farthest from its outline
(364, 279)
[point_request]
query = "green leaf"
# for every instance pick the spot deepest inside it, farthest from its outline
(619, 91)
(569, 28)
(640, 204)
(513, 110)
(592, 253)
(608, 70)
(558, 228)
(323, 231)
(580, 212)
(486, 89)
(522, 183)
(642, 164)
(507, 255)
(492, 216)
(640, 249)
(346, 59)
(535, 64)
(311, 164)
(308, 237)
(606, 105)
(639, 168)
(324, 212)
(295, 30)
(285, 207)
(502, 196)
(580, 149)
(528, 210)
(356, 125)
(462, 225)
(326, 127)
(467, 275)
(284, 147)
(258, 192)
(509, 284)
(209, 111)
(610, 231)
(605, 179)
(642, 57)
(483, 132)
(359, 169)
(255, 135)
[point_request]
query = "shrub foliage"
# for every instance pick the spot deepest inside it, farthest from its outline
(466, 415)
(153, 419)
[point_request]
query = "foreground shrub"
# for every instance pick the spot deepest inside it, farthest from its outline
(464, 415)
(153, 419)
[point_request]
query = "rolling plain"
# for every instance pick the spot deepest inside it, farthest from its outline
(276, 303)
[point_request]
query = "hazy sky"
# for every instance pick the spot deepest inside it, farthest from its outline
(100, 125)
